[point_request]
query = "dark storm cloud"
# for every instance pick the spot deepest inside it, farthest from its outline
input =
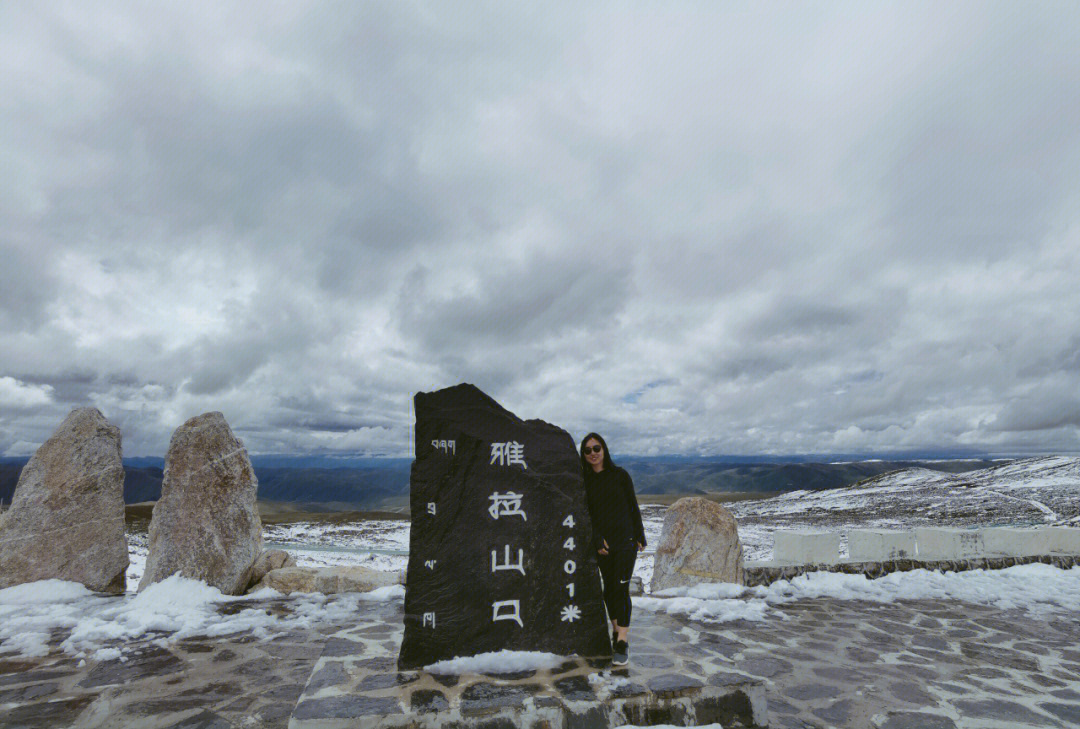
(697, 228)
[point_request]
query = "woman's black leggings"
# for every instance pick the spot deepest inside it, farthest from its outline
(616, 569)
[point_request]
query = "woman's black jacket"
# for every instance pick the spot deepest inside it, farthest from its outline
(613, 509)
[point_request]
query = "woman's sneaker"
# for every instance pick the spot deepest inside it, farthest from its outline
(621, 653)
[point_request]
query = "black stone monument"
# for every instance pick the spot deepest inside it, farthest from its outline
(499, 552)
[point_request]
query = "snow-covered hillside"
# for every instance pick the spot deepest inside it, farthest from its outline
(1025, 492)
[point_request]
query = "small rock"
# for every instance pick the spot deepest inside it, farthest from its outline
(66, 519)
(699, 543)
(327, 580)
(271, 559)
(205, 526)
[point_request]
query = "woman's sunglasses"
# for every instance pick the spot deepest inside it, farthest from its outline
(591, 449)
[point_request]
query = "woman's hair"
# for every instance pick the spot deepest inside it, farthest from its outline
(585, 467)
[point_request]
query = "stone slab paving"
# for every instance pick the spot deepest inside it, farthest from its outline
(910, 664)
(819, 662)
(670, 681)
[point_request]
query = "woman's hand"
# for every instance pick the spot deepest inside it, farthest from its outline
(603, 550)
(640, 547)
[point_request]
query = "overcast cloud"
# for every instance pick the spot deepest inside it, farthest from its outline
(709, 228)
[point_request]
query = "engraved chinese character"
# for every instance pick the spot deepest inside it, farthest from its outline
(429, 620)
(514, 613)
(508, 454)
(520, 566)
(508, 504)
(430, 564)
(431, 508)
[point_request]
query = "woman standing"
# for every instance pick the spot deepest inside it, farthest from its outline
(617, 534)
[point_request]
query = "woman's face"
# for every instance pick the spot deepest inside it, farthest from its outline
(594, 452)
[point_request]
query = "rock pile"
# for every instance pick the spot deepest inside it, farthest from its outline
(271, 559)
(206, 524)
(328, 580)
(699, 543)
(66, 520)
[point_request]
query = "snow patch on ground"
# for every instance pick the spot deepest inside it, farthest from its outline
(177, 608)
(1037, 588)
(497, 662)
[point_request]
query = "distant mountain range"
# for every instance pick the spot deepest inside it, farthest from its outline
(369, 483)
(654, 476)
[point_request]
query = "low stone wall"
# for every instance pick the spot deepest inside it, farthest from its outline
(765, 573)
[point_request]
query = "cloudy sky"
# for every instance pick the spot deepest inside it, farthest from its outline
(716, 228)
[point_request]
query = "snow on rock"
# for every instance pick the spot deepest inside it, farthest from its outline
(43, 591)
(390, 592)
(498, 662)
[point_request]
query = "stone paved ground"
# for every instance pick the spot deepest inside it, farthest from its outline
(824, 663)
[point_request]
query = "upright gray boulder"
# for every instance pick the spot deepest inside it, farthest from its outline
(206, 524)
(66, 520)
(699, 543)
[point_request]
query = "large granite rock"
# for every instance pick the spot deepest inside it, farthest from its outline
(66, 519)
(499, 553)
(327, 580)
(699, 543)
(205, 525)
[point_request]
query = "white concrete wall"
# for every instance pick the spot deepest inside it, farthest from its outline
(926, 544)
(1063, 540)
(880, 545)
(938, 543)
(1014, 542)
(806, 547)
